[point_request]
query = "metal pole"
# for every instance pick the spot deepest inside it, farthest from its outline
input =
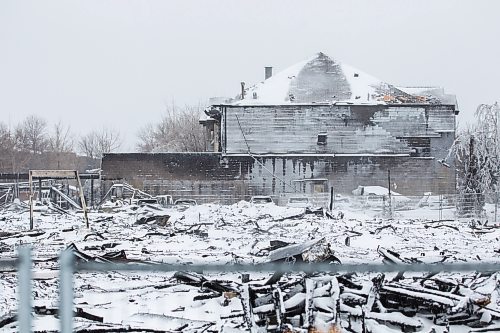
(389, 180)
(92, 192)
(496, 206)
(389, 187)
(66, 291)
(332, 197)
(440, 207)
(40, 189)
(24, 276)
(16, 187)
(31, 199)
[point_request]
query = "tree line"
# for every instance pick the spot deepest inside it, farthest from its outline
(33, 143)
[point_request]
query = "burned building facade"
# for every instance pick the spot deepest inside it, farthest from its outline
(316, 125)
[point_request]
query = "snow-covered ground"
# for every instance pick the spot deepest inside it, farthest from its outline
(240, 233)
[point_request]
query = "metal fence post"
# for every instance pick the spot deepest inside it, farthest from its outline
(440, 207)
(66, 291)
(24, 276)
(496, 206)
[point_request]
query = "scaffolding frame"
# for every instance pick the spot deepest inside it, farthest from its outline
(55, 174)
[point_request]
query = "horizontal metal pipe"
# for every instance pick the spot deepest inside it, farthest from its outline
(297, 267)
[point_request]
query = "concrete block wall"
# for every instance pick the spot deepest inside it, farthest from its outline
(409, 175)
(211, 177)
(372, 129)
(203, 176)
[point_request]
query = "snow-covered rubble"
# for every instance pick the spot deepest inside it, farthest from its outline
(244, 233)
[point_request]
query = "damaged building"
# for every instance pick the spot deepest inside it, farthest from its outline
(319, 124)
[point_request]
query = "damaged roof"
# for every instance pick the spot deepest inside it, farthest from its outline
(321, 79)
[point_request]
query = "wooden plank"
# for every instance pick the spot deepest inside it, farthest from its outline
(54, 174)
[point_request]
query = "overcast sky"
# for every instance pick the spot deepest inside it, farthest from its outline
(118, 63)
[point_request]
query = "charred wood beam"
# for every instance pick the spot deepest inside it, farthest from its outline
(346, 280)
(442, 285)
(393, 318)
(206, 296)
(293, 217)
(115, 329)
(7, 319)
(44, 311)
(398, 298)
(156, 233)
(441, 226)
(428, 291)
(392, 257)
(200, 281)
(379, 229)
(33, 233)
(96, 234)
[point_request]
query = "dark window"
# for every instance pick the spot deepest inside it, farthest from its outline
(322, 138)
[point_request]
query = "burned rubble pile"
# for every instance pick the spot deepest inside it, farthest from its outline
(373, 303)
(269, 301)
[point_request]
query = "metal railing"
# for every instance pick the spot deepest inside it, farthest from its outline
(68, 267)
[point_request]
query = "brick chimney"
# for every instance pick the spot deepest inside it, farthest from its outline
(269, 72)
(242, 90)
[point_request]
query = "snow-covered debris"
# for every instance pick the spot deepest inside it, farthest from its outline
(252, 234)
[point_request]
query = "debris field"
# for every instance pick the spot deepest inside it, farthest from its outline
(245, 233)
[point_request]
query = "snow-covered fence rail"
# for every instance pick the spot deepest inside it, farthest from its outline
(69, 266)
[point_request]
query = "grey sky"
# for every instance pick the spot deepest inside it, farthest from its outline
(118, 63)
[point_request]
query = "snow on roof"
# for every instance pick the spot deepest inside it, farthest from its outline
(275, 90)
(321, 79)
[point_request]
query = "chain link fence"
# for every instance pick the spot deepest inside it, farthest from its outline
(480, 207)
(69, 267)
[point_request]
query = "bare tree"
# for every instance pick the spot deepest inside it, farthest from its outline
(61, 141)
(87, 144)
(34, 134)
(147, 139)
(13, 148)
(96, 143)
(108, 140)
(178, 130)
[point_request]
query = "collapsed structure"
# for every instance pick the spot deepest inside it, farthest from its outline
(315, 126)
